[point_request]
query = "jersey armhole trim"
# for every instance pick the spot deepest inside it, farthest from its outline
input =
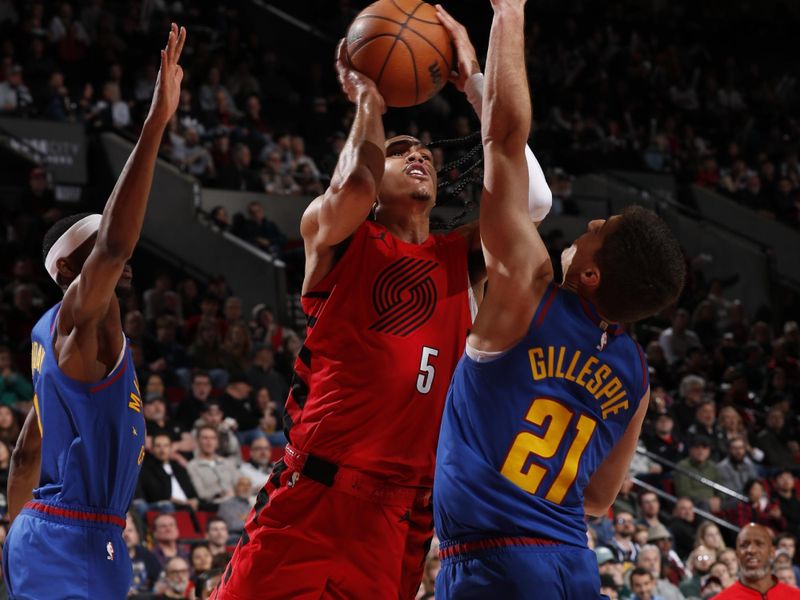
(483, 356)
(643, 360)
(547, 300)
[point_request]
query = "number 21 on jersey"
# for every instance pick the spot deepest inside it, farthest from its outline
(527, 462)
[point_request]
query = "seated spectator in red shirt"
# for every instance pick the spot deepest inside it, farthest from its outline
(760, 509)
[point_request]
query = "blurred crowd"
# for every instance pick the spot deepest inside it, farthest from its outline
(611, 93)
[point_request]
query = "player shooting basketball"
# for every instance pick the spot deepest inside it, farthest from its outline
(347, 512)
(544, 412)
(87, 427)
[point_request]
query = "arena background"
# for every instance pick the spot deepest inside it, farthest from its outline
(690, 109)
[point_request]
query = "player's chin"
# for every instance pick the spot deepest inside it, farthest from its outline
(423, 193)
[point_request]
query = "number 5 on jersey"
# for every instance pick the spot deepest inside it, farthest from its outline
(528, 474)
(426, 370)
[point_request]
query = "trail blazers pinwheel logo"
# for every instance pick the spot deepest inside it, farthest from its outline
(404, 296)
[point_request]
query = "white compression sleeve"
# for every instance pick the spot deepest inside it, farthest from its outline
(540, 198)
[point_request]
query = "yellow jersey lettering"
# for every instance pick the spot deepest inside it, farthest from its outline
(37, 357)
(599, 376)
(536, 356)
(135, 403)
(610, 389)
(549, 361)
(587, 368)
(615, 409)
(575, 357)
(559, 372)
(141, 455)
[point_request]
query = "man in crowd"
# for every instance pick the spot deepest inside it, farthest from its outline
(699, 463)
(737, 468)
(788, 542)
(165, 539)
(144, 564)
(256, 229)
(775, 440)
(622, 544)
(755, 552)
(649, 509)
(163, 481)
(785, 494)
(643, 585)
(673, 568)
(676, 340)
(192, 407)
(649, 559)
(684, 525)
(234, 510)
(260, 465)
(211, 474)
(217, 535)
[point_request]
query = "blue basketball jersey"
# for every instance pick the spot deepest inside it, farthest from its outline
(522, 434)
(93, 434)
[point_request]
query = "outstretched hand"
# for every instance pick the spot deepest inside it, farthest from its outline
(466, 59)
(168, 84)
(353, 82)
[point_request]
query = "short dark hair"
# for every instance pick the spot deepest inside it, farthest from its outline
(641, 571)
(642, 268)
(213, 520)
(58, 229)
(200, 373)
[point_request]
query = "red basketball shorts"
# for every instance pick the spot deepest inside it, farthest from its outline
(305, 540)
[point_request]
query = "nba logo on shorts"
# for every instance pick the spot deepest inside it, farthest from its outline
(110, 551)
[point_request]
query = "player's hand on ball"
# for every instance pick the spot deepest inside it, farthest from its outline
(168, 84)
(355, 83)
(466, 58)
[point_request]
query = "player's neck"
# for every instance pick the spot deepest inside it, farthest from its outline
(410, 226)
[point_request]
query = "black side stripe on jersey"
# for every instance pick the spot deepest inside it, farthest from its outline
(287, 426)
(299, 390)
(305, 356)
(311, 320)
(321, 295)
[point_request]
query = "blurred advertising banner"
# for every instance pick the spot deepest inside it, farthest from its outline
(62, 146)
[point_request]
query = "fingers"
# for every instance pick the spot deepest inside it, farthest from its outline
(181, 42)
(448, 21)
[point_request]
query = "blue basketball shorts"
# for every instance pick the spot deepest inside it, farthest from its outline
(517, 572)
(53, 557)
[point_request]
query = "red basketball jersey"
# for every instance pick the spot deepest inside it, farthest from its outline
(386, 328)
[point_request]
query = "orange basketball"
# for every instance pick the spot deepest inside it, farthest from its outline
(402, 46)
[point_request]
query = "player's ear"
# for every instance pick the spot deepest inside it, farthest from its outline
(590, 278)
(65, 270)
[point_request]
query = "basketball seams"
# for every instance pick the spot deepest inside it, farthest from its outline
(397, 38)
(432, 45)
(363, 43)
(414, 67)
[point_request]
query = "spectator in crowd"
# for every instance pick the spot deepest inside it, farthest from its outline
(788, 542)
(608, 565)
(649, 509)
(212, 475)
(235, 509)
(692, 394)
(219, 217)
(622, 544)
(698, 463)
(175, 581)
(194, 157)
(164, 483)
(206, 352)
(759, 509)
(609, 587)
(15, 97)
(259, 467)
(165, 539)
(194, 405)
(663, 440)
(776, 442)
(157, 421)
(262, 374)
(237, 403)
(209, 313)
(201, 560)
(217, 535)
(677, 339)
(649, 559)
(672, 567)
(683, 525)
(9, 426)
(238, 174)
(755, 551)
(643, 585)
(700, 561)
(728, 558)
(705, 424)
(228, 443)
(145, 565)
(14, 388)
(708, 535)
(237, 345)
(737, 468)
(256, 229)
(786, 575)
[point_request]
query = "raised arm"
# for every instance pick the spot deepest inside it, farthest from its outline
(607, 480)
(87, 300)
(517, 262)
(25, 466)
(333, 217)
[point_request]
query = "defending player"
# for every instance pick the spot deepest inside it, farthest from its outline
(545, 408)
(347, 514)
(67, 541)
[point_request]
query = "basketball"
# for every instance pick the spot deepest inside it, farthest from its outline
(402, 46)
